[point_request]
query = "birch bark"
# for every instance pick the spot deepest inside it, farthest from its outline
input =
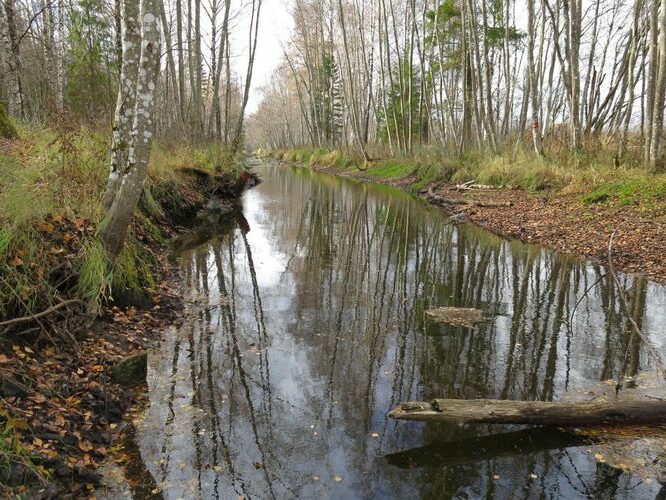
(124, 114)
(115, 226)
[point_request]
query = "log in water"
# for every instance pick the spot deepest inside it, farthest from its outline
(492, 411)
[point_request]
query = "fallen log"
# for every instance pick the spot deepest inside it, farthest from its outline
(471, 186)
(457, 201)
(477, 203)
(490, 411)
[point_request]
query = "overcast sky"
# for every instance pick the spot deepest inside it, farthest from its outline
(275, 28)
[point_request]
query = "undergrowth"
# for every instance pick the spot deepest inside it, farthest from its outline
(590, 174)
(17, 464)
(51, 188)
(52, 182)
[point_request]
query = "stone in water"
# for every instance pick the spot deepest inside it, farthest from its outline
(456, 316)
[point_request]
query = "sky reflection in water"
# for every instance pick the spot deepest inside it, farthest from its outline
(305, 324)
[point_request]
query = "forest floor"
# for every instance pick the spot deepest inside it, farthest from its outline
(577, 218)
(566, 224)
(67, 418)
(67, 316)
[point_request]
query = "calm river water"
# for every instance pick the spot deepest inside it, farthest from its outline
(305, 325)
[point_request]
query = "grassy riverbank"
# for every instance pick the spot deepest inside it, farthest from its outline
(591, 175)
(569, 203)
(51, 186)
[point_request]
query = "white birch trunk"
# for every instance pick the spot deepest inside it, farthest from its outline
(124, 115)
(13, 61)
(115, 226)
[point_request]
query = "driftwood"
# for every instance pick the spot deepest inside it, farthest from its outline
(475, 203)
(470, 185)
(490, 411)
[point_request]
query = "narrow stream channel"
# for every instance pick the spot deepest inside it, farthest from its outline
(305, 325)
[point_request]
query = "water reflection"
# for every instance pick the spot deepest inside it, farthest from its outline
(305, 324)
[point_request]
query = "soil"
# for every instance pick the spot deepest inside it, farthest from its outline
(557, 221)
(59, 398)
(70, 415)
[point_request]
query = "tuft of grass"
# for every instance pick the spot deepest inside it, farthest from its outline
(6, 235)
(94, 274)
(132, 271)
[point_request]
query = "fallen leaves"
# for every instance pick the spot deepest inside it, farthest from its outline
(85, 445)
(70, 414)
(550, 222)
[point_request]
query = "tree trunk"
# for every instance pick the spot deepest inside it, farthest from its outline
(124, 115)
(115, 226)
(490, 411)
(181, 63)
(533, 80)
(659, 90)
(252, 44)
(198, 76)
(11, 46)
(631, 82)
(651, 78)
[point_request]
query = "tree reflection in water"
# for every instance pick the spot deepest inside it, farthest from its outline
(305, 324)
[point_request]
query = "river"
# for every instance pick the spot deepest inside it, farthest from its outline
(305, 325)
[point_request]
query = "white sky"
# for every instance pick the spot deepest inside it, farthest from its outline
(275, 28)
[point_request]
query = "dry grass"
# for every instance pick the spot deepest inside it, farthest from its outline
(591, 173)
(60, 173)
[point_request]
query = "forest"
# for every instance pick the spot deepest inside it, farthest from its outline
(389, 78)
(215, 262)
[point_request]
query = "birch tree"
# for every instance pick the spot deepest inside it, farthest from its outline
(10, 44)
(125, 105)
(116, 224)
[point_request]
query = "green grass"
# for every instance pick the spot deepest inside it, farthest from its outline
(61, 172)
(392, 169)
(94, 275)
(648, 192)
(589, 174)
(134, 268)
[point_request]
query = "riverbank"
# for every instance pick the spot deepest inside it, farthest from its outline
(574, 211)
(60, 406)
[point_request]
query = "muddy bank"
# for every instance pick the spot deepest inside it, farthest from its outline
(61, 404)
(558, 221)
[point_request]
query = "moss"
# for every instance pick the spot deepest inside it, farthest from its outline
(648, 192)
(7, 128)
(393, 169)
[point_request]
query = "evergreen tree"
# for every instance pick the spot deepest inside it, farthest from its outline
(91, 74)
